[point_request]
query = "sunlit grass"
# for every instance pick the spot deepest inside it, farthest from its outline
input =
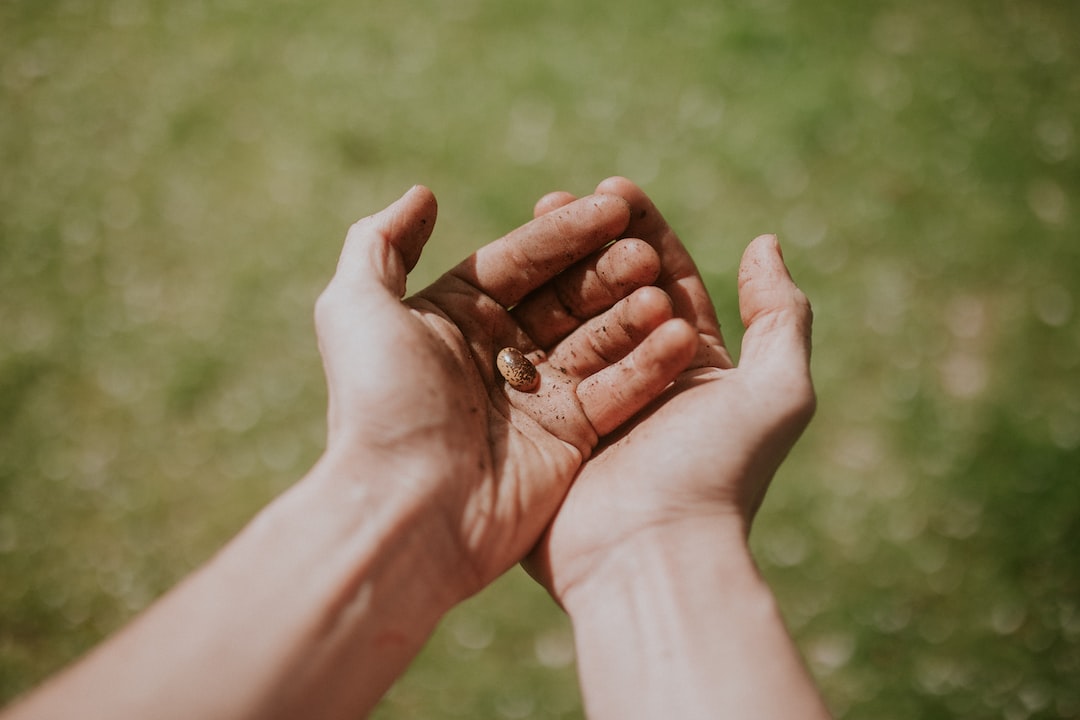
(177, 178)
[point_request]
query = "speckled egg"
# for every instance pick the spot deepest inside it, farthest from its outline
(518, 371)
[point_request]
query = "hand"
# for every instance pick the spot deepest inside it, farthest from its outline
(414, 390)
(708, 448)
(648, 552)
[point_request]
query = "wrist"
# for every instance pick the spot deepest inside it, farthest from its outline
(716, 541)
(380, 515)
(672, 556)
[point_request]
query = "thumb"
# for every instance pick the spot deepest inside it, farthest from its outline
(385, 246)
(778, 320)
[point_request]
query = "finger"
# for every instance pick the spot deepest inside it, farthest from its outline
(608, 338)
(586, 289)
(513, 266)
(613, 395)
(552, 201)
(679, 278)
(385, 246)
(778, 320)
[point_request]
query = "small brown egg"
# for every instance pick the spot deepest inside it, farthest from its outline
(518, 371)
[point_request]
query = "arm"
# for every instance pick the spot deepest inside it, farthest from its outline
(649, 552)
(312, 611)
(436, 478)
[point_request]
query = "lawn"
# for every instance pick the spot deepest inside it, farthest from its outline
(176, 179)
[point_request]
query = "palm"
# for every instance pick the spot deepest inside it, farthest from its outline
(681, 461)
(514, 458)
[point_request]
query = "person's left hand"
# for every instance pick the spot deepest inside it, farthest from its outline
(418, 411)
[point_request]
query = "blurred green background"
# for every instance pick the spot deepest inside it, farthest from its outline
(177, 177)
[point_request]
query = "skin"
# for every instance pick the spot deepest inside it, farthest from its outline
(436, 477)
(648, 553)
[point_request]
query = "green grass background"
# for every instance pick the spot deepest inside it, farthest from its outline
(176, 178)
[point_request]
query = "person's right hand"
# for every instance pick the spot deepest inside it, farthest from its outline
(706, 450)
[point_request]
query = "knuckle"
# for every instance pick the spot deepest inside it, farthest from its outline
(568, 301)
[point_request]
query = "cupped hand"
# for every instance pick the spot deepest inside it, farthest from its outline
(417, 408)
(706, 450)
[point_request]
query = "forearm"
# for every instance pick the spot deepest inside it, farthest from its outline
(312, 611)
(681, 624)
